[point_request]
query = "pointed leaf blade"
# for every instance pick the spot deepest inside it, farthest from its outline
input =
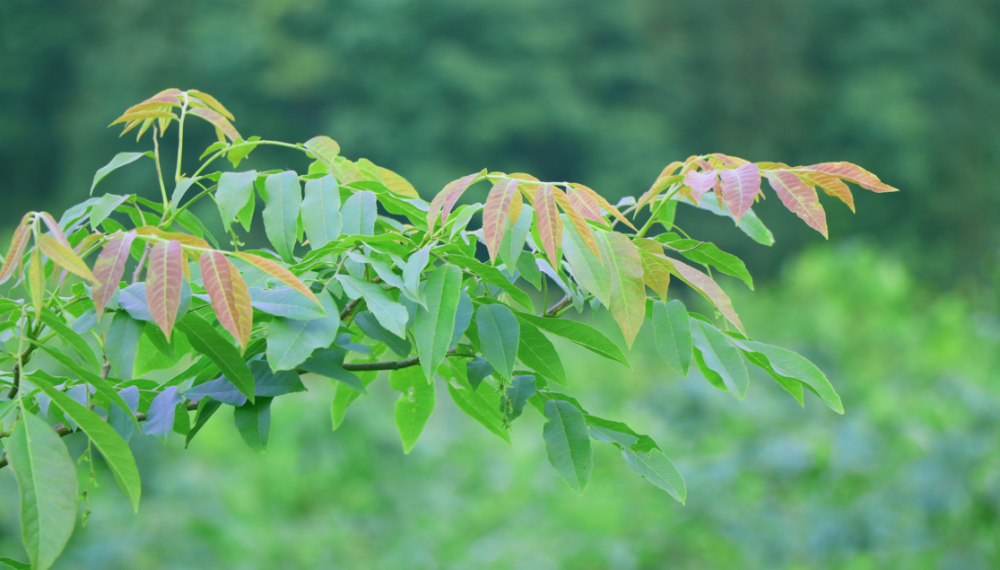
(499, 335)
(206, 340)
(628, 292)
(282, 203)
(414, 407)
(163, 284)
(673, 334)
(548, 222)
(798, 197)
(739, 187)
(321, 211)
(567, 442)
(109, 268)
(435, 323)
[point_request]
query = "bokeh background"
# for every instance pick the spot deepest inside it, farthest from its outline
(900, 308)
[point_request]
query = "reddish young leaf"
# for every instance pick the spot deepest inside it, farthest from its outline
(655, 268)
(446, 198)
(798, 197)
(276, 271)
(17, 245)
(222, 281)
(700, 182)
(109, 268)
(605, 205)
(217, 120)
(64, 257)
(660, 185)
(628, 294)
(516, 204)
(832, 185)
(397, 183)
(739, 187)
(729, 160)
(852, 173)
(212, 102)
(53, 226)
(526, 187)
(164, 279)
(582, 228)
(707, 287)
(585, 204)
(324, 149)
(495, 214)
(143, 115)
(548, 222)
(185, 239)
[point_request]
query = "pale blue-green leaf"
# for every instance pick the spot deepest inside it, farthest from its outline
(103, 208)
(538, 353)
(390, 314)
(282, 203)
(791, 365)
(584, 335)
(207, 340)
(160, 416)
(476, 369)
(513, 240)
(482, 408)
(329, 363)
(285, 302)
(358, 214)
(463, 316)
(219, 389)
(658, 470)
(411, 273)
(414, 406)
(435, 323)
(673, 334)
(71, 338)
(749, 224)
(234, 193)
(567, 442)
(121, 344)
(498, 336)
(321, 211)
(720, 356)
(120, 159)
(588, 270)
(371, 327)
(290, 342)
(517, 394)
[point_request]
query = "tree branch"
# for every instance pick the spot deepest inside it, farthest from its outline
(558, 306)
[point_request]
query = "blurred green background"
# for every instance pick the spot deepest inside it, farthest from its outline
(900, 309)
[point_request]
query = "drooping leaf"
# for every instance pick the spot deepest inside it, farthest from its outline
(499, 337)
(517, 394)
(537, 352)
(103, 208)
(290, 342)
(445, 200)
(721, 357)
(206, 409)
(476, 369)
(14, 564)
(655, 269)
(830, 184)
(102, 386)
(791, 365)
(120, 159)
(211, 102)
(324, 149)
(64, 257)
(739, 187)
(414, 406)
(798, 197)
(285, 302)
(479, 407)
(253, 421)
(495, 214)
(163, 283)
(121, 344)
(567, 442)
(708, 288)
(268, 382)
(221, 280)
(329, 362)
(584, 335)
(673, 334)
(208, 341)
(852, 173)
(463, 316)
(115, 451)
(16, 249)
(700, 182)
(411, 273)
(71, 338)
(750, 224)
(658, 470)
(628, 293)
(234, 192)
(109, 268)
(220, 389)
(494, 277)
(282, 203)
(548, 222)
(46, 481)
(321, 211)
(577, 220)
(161, 413)
(276, 271)
(217, 120)
(390, 314)
(358, 214)
(585, 204)
(708, 254)
(588, 269)
(514, 239)
(435, 322)
(371, 327)
(604, 204)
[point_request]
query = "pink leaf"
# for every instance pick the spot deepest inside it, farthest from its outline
(739, 186)
(700, 182)
(446, 198)
(109, 268)
(549, 223)
(585, 204)
(496, 212)
(852, 173)
(798, 197)
(163, 283)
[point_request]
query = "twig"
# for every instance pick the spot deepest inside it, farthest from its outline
(558, 306)
(142, 262)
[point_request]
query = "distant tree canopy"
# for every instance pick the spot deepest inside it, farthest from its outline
(600, 93)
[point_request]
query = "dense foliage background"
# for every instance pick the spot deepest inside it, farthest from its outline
(904, 320)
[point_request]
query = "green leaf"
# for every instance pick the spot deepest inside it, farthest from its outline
(120, 159)
(610, 431)
(513, 240)
(498, 337)
(285, 302)
(721, 357)
(253, 420)
(282, 203)
(290, 342)
(206, 409)
(205, 339)
(103, 208)
(568, 443)
(414, 407)
(628, 291)
(475, 405)
(707, 253)
(790, 385)
(673, 334)
(583, 335)
(181, 189)
(538, 353)
(100, 384)
(121, 344)
(749, 224)
(588, 270)
(71, 338)
(494, 277)
(658, 470)
(344, 396)
(46, 481)
(233, 194)
(389, 313)
(324, 149)
(329, 362)
(321, 211)
(435, 323)
(463, 316)
(517, 394)
(371, 327)
(114, 449)
(411, 273)
(791, 365)
(528, 269)
(14, 564)
(358, 214)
